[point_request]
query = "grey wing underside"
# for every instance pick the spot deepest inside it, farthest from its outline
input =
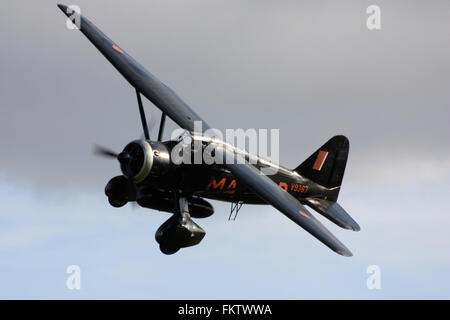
(157, 92)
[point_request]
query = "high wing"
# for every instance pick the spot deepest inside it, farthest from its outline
(157, 92)
(167, 100)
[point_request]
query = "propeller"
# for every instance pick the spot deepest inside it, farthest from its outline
(124, 159)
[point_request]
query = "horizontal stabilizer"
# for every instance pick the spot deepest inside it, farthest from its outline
(334, 212)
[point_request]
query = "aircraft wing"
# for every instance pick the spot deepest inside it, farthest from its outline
(157, 92)
(166, 100)
(269, 191)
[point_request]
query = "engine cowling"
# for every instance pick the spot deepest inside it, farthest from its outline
(148, 158)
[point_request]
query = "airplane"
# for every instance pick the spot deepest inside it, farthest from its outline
(152, 180)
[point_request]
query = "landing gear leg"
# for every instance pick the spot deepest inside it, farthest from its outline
(181, 207)
(179, 231)
(181, 213)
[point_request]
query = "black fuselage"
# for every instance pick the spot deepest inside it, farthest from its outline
(218, 183)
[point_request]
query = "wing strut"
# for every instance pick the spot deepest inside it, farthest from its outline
(161, 126)
(235, 207)
(142, 113)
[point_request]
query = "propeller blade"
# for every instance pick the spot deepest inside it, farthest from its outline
(125, 160)
(105, 152)
(131, 185)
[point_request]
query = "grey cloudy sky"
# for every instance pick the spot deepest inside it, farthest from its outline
(311, 69)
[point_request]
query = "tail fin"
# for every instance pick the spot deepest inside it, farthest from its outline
(326, 166)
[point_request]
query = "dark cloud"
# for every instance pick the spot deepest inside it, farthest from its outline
(311, 70)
